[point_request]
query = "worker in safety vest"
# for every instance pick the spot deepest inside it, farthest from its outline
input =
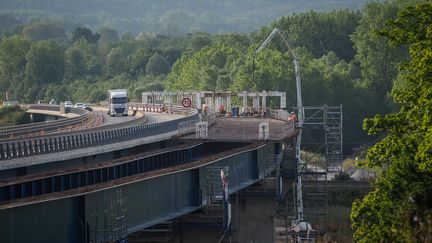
(222, 109)
(292, 117)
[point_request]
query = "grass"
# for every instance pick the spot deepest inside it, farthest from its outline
(352, 162)
(338, 225)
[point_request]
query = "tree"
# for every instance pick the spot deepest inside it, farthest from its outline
(43, 31)
(157, 65)
(82, 32)
(201, 70)
(13, 51)
(116, 61)
(139, 60)
(7, 22)
(57, 92)
(107, 35)
(45, 63)
(75, 66)
(197, 41)
(378, 60)
(92, 63)
(399, 209)
(319, 32)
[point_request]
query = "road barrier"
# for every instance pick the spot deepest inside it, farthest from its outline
(37, 127)
(53, 144)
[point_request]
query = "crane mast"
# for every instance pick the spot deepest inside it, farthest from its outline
(299, 192)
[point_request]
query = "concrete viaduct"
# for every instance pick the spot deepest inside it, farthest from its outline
(86, 179)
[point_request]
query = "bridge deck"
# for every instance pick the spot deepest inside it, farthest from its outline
(246, 129)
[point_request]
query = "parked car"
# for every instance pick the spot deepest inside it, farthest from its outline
(10, 103)
(68, 104)
(88, 107)
(53, 102)
(79, 105)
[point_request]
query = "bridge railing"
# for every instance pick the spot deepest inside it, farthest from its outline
(17, 130)
(53, 144)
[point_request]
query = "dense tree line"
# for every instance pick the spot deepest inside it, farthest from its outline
(168, 17)
(399, 209)
(86, 64)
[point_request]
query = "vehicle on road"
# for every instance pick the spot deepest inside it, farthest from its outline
(10, 103)
(117, 102)
(40, 102)
(53, 102)
(79, 105)
(68, 103)
(88, 107)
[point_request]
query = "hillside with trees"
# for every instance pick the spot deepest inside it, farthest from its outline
(168, 17)
(375, 60)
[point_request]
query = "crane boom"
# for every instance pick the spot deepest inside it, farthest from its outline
(296, 69)
(300, 214)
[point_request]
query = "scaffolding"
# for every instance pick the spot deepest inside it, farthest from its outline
(114, 225)
(327, 120)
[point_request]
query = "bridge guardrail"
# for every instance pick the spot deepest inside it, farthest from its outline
(49, 125)
(52, 144)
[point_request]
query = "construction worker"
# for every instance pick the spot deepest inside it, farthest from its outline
(222, 109)
(292, 117)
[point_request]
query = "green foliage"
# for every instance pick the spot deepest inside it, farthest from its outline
(6, 23)
(378, 60)
(157, 65)
(116, 61)
(319, 32)
(170, 17)
(82, 32)
(139, 60)
(43, 31)
(202, 70)
(91, 60)
(75, 66)
(107, 35)
(399, 209)
(45, 63)
(13, 51)
(147, 83)
(12, 115)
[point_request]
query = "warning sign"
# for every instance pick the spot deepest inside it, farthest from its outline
(186, 102)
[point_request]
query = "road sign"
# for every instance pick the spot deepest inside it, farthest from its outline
(186, 102)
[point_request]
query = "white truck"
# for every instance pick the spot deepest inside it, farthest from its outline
(117, 102)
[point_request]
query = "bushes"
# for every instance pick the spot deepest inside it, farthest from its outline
(13, 115)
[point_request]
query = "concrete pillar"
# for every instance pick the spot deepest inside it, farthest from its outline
(228, 106)
(255, 101)
(264, 100)
(244, 99)
(213, 101)
(198, 100)
(283, 100)
(144, 98)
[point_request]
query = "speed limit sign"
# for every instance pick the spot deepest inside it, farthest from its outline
(186, 102)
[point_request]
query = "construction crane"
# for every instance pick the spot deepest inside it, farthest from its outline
(300, 214)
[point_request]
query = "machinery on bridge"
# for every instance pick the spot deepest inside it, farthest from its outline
(300, 220)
